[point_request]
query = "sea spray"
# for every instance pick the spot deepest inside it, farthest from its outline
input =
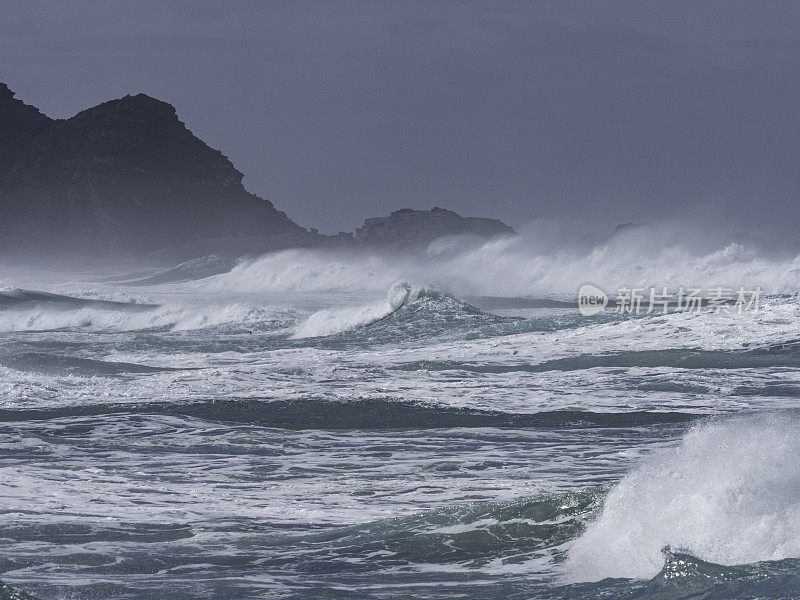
(524, 266)
(729, 493)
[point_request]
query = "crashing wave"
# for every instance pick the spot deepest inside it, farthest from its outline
(407, 313)
(534, 264)
(330, 321)
(728, 494)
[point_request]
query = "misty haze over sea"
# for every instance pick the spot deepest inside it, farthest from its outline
(380, 300)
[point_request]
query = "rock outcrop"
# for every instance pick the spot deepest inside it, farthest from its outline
(126, 175)
(416, 228)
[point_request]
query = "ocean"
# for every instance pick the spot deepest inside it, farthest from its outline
(312, 426)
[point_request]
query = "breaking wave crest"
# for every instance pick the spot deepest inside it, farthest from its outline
(728, 494)
(537, 263)
(407, 313)
(417, 313)
(27, 310)
(330, 321)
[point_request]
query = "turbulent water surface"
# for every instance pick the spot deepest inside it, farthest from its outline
(203, 439)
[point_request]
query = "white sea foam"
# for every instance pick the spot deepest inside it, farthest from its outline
(304, 271)
(335, 320)
(527, 265)
(729, 494)
(172, 317)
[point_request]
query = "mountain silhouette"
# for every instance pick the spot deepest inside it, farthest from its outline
(125, 175)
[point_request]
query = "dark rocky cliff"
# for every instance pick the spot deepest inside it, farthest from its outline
(19, 126)
(126, 175)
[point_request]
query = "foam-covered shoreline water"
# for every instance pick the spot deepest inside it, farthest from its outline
(321, 431)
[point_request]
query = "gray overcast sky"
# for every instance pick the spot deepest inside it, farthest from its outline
(341, 110)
